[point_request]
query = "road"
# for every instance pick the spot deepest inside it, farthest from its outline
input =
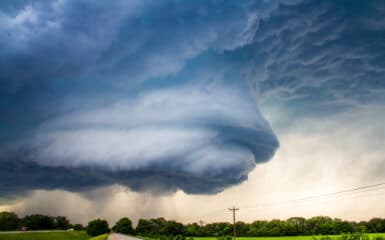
(116, 236)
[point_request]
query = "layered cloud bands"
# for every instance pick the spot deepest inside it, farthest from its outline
(163, 95)
(125, 93)
(183, 138)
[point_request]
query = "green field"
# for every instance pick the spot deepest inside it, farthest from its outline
(371, 235)
(57, 235)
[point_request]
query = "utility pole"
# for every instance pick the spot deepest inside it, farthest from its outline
(235, 229)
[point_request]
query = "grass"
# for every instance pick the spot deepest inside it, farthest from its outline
(371, 235)
(100, 237)
(54, 235)
(262, 238)
(144, 238)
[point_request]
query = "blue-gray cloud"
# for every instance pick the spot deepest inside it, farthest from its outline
(163, 94)
(107, 87)
(323, 52)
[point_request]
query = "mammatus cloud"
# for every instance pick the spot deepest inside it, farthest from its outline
(164, 95)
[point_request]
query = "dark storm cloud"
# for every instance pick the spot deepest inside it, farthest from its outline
(162, 95)
(139, 39)
(78, 105)
(20, 172)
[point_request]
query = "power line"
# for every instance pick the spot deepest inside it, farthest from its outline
(339, 193)
(320, 195)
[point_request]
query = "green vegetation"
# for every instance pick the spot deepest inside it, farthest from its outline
(154, 228)
(100, 237)
(124, 225)
(162, 229)
(37, 222)
(53, 235)
(295, 226)
(177, 237)
(97, 227)
(147, 238)
(261, 238)
(81, 235)
(228, 237)
(372, 236)
(9, 221)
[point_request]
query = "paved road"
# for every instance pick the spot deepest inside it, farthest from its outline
(116, 236)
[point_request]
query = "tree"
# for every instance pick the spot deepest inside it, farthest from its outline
(97, 227)
(243, 229)
(62, 223)
(172, 228)
(124, 225)
(320, 225)
(8, 221)
(276, 227)
(146, 227)
(78, 227)
(375, 225)
(340, 226)
(193, 229)
(39, 222)
(295, 226)
(218, 229)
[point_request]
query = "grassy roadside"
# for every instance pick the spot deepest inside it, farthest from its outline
(64, 235)
(144, 238)
(100, 237)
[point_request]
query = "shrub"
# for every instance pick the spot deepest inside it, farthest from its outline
(353, 236)
(180, 237)
(169, 237)
(326, 238)
(344, 236)
(227, 237)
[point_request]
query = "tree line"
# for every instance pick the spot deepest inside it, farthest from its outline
(160, 227)
(9, 221)
(320, 225)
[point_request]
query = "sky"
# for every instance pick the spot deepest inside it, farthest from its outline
(159, 108)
